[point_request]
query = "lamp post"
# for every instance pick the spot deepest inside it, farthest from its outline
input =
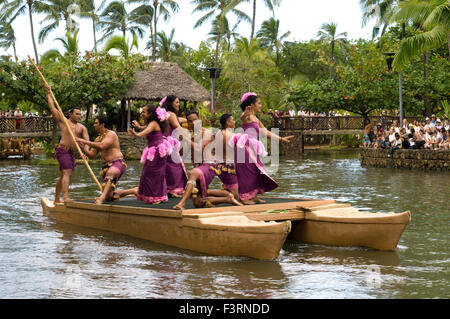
(214, 74)
(389, 60)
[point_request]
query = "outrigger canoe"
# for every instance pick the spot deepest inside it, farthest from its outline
(256, 231)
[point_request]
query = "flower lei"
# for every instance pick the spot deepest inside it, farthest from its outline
(246, 95)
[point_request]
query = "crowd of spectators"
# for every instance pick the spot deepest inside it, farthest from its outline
(302, 113)
(18, 113)
(429, 134)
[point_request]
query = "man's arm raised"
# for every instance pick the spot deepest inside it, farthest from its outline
(51, 105)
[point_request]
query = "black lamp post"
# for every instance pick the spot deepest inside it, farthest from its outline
(389, 60)
(214, 74)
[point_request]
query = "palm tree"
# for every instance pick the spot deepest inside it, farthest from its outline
(55, 11)
(88, 10)
(269, 37)
(433, 18)
(71, 50)
(121, 44)
(116, 18)
(328, 33)
(226, 31)
(218, 10)
(269, 4)
(159, 8)
(382, 10)
(12, 9)
(7, 37)
(165, 45)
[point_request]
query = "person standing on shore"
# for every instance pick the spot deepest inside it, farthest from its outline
(113, 164)
(66, 147)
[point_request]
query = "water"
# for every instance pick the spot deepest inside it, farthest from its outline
(41, 258)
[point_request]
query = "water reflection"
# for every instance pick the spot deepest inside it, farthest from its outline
(41, 258)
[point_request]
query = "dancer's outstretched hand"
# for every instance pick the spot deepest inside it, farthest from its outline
(287, 139)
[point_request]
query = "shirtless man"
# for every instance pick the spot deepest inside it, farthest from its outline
(203, 173)
(66, 147)
(107, 143)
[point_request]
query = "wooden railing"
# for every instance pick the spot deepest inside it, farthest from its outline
(26, 124)
(323, 123)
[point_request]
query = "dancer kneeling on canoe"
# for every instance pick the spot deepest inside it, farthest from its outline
(152, 187)
(107, 143)
(201, 176)
(251, 173)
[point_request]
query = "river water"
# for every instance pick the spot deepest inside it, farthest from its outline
(41, 258)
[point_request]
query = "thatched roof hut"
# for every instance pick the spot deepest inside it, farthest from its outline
(164, 78)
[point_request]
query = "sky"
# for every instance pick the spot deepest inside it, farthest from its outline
(302, 18)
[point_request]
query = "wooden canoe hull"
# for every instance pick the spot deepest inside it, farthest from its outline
(222, 234)
(339, 227)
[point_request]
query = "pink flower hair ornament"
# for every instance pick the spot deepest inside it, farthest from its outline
(246, 95)
(162, 114)
(163, 101)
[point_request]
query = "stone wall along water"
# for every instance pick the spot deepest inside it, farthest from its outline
(412, 159)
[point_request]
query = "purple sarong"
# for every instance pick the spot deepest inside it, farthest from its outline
(176, 176)
(227, 175)
(118, 165)
(65, 158)
(250, 171)
(206, 177)
(152, 185)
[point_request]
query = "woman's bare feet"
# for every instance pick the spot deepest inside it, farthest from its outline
(248, 202)
(232, 200)
(67, 200)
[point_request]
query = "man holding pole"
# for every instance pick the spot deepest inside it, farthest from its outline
(66, 147)
(113, 166)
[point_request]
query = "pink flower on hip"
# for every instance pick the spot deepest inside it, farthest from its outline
(162, 114)
(242, 140)
(246, 95)
(148, 154)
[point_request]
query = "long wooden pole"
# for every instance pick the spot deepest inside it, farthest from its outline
(83, 157)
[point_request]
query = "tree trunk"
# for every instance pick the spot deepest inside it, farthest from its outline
(30, 3)
(95, 36)
(155, 33)
(332, 59)
(15, 53)
(253, 20)
(426, 99)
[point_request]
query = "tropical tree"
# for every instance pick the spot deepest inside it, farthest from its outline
(269, 36)
(55, 11)
(381, 10)
(218, 10)
(70, 45)
(328, 34)
(158, 9)
(227, 32)
(269, 4)
(165, 45)
(122, 45)
(116, 18)
(7, 37)
(433, 18)
(14, 8)
(89, 10)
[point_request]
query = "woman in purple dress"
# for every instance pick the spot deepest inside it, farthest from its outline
(176, 176)
(251, 173)
(152, 187)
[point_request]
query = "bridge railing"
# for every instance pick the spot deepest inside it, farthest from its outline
(26, 124)
(332, 122)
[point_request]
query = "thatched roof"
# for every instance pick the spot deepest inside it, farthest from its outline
(164, 78)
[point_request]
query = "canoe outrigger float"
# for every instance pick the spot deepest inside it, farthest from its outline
(257, 231)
